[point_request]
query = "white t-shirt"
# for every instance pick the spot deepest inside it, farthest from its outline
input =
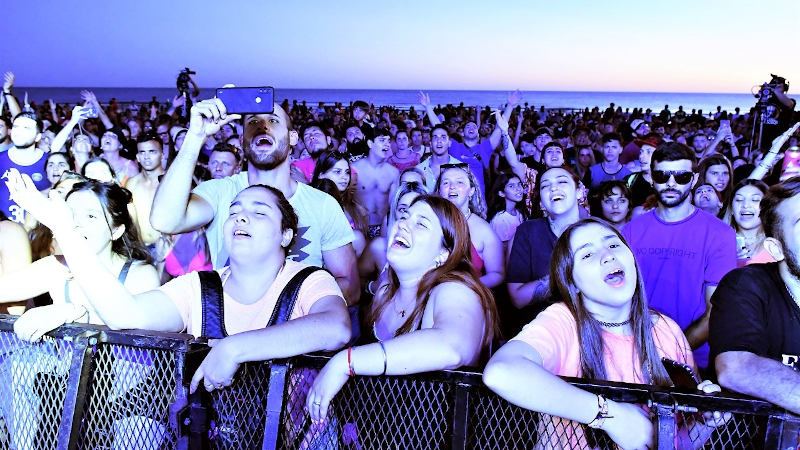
(322, 225)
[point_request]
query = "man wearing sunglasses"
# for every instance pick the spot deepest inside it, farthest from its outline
(682, 250)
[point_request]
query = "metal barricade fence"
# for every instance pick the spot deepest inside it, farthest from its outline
(90, 388)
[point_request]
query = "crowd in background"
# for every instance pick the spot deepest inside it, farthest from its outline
(586, 242)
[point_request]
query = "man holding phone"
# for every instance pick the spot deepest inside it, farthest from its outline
(755, 322)
(324, 234)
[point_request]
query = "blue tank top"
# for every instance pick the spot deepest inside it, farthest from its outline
(37, 174)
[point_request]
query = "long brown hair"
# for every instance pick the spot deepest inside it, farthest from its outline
(590, 337)
(456, 268)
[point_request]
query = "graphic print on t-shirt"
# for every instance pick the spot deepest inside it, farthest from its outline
(296, 252)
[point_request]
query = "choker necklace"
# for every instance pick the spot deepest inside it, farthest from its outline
(614, 324)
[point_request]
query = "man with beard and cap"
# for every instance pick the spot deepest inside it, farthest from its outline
(755, 323)
(25, 156)
(324, 234)
(683, 251)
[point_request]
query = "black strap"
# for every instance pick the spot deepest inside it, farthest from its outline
(211, 299)
(285, 305)
(123, 274)
(213, 326)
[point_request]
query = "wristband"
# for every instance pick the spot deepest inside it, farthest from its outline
(383, 349)
(602, 413)
(350, 362)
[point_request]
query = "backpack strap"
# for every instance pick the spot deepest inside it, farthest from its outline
(288, 297)
(212, 303)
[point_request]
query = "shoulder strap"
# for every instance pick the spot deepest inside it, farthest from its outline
(123, 274)
(212, 303)
(288, 297)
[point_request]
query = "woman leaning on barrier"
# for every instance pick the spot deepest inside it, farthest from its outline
(602, 311)
(99, 214)
(430, 311)
(258, 232)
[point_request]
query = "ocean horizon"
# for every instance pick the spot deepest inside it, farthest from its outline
(404, 98)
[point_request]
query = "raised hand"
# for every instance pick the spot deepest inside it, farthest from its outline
(52, 212)
(780, 140)
(8, 81)
(79, 113)
(514, 97)
(89, 97)
(424, 99)
(208, 116)
(502, 123)
(178, 101)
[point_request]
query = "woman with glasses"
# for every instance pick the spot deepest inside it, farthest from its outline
(457, 184)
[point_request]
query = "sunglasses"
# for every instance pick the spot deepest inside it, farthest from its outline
(463, 166)
(681, 176)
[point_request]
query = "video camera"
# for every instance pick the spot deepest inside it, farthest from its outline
(767, 90)
(183, 79)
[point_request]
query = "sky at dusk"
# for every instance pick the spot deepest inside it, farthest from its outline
(665, 46)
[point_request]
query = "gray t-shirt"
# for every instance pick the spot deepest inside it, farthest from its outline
(322, 225)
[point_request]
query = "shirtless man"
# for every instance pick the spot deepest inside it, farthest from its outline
(143, 186)
(376, 179)
(111, 144)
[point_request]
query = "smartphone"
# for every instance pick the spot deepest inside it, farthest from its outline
(90, 111)
(247, 100)
(681, 374)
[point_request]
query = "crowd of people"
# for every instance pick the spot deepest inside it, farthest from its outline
(535, 243)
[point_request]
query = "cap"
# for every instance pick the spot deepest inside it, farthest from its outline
(636, 124)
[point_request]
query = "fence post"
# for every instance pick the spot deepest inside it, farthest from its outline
(460, 417)
(782, 433)
(275, 399)
(665, 421)
(80, 371)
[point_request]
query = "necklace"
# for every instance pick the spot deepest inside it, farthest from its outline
(402, 312)
(614, 324)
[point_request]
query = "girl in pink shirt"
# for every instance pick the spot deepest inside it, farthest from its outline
(602, 329)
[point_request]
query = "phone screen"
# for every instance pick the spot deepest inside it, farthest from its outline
(247, 100)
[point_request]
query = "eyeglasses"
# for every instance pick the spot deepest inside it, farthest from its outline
(462, 166)
(681, 176)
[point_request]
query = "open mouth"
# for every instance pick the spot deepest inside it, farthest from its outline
(615, 278)
(557, 198)
(401, 242)
(238, 233)
(263, 141)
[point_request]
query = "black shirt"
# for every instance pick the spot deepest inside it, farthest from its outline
(640, 189)
(753, 311)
